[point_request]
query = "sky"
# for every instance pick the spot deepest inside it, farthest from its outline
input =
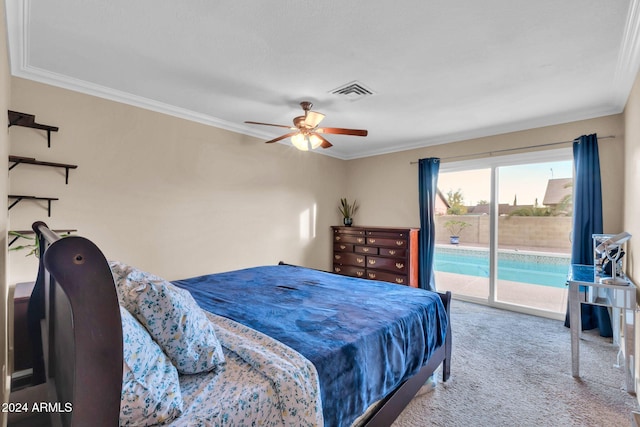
(526, 182)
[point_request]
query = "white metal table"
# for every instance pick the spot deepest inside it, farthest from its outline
(584, 287)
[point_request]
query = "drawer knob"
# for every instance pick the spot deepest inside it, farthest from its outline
(360, 240)
(372, 275)
(399, 265)
(365, 249)
(360, 260)
(372, 261)
(372, 240)
(399, 280)
(337, 256)
(359, 273)
(399, 242)
(338, 238)
(337, 269)
(392, 252)
(343, 247)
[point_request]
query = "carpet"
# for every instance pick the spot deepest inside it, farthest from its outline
(511, 369)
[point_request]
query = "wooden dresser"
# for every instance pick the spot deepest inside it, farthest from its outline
(378, 253)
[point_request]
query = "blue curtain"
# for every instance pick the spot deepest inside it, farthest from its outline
(427, 189)
(587, 220)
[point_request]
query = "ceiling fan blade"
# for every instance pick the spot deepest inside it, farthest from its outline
(270, 124)
(313, 119)
(325, 143)
(281, 137)
(340, 131)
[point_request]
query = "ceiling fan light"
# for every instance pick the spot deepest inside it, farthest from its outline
(299, 141)
(315, 141)
(313, 119)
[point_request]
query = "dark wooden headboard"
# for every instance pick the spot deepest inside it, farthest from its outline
(75, 306)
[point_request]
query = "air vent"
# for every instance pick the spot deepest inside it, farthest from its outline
(353, 91)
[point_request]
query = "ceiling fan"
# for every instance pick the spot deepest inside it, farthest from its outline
(306, 133)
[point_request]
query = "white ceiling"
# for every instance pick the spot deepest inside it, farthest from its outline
(441, 70)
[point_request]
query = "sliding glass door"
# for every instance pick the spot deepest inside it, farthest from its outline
(512, 219)
(462, 233)
(534, 230)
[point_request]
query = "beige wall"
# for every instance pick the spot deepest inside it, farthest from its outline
(632, 181)
(171, 196)
(632, 195)
(4, 151)
(387, 186)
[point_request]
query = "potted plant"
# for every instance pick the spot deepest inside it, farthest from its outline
(454, 227)
(347, 210)
(34, 244)
(33, 247)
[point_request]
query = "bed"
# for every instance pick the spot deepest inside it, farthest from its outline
(331, 365)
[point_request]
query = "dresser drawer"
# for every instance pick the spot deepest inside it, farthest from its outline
(343, 247)
(367, 250)
(388, 264)
(349, 230)
(398, 253)
(348, 238)
(400, 279)
(349, 258)
(380, 241)
(349, 270)
(388, 234)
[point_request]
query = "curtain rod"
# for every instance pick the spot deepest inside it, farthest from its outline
(490, 153)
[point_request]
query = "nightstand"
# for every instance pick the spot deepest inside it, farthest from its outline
(22, 362)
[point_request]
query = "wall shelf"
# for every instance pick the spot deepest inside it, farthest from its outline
(30, 160)
(29, 121)
(24, 197)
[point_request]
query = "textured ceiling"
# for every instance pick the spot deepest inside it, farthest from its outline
(440, 71)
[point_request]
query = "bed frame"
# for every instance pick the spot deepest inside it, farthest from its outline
(74, 308)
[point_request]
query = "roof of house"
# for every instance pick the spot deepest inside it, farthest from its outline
(557, 191)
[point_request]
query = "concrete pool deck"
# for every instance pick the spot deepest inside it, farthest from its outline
(546, 298)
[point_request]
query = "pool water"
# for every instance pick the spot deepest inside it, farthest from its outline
(515, 266)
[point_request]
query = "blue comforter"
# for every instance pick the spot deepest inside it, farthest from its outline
(364, 337)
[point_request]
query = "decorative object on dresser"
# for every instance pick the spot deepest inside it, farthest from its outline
(377, 253)
(348, 210)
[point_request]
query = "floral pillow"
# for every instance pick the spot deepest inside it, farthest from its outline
(172, 317)
(150, 384)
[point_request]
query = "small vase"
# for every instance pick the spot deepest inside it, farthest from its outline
(454, 240)
(347, 222)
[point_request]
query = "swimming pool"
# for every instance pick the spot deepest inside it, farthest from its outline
(524, 267)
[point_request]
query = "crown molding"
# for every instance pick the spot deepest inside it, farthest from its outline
(500, 129)
(18, 30)
(628, 62)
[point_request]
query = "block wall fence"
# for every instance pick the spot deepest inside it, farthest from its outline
(524, 232)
